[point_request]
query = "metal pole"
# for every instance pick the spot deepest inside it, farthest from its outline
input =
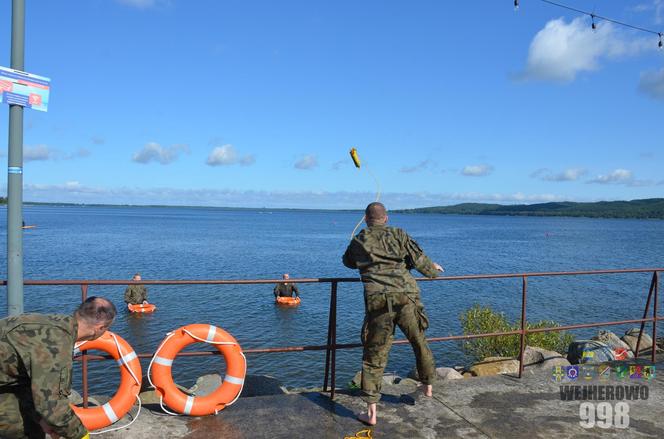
(645, 314)
(334, 341)
(522, 344)
(15, 174)
(329, 338)
(84, 354)
(654, 322)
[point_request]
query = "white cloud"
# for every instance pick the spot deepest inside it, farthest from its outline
(75, 192)
(657, 6)
(154, 152)
(424, 164)
(651, 83)
(561, 50)
(477, 170)
(618, 176)
(141, 4)
(571, 174)
(338, 164)
(227, 155)
(38, 153)
(307, 162)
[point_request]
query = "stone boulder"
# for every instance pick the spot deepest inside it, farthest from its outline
(494, 366)
(631, 337)
(589, 351)
(262, 385)
(447, 373)
(538, 358)
(621, 350)
(205, 385)
(442, 373)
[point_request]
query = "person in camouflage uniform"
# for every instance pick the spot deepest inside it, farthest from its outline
(136, 294)
(286, 289)
(36, 365)
(385, 255)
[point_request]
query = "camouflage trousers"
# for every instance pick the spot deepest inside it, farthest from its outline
(382, 316)
(18, 419)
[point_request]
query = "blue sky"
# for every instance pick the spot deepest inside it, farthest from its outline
(256, 103)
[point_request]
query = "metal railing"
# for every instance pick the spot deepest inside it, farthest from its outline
(332, 346)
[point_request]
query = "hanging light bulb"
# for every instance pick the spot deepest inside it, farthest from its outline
(516, 5)
(593, 25)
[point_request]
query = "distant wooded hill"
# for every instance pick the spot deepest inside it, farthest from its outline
(647, 208)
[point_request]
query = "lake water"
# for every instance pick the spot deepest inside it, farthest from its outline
(206, 243)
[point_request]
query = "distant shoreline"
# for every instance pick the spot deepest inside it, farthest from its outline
(650, 208)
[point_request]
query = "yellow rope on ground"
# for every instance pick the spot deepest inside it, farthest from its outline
(359, 433)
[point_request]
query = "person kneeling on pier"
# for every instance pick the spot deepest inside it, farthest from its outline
(385, 255)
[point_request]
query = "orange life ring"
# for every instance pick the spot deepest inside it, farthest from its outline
(287, 301)
(225, 394)
(130, 385)
(141, 307)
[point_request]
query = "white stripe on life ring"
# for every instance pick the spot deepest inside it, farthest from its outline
(110, 414)
(163, 361)
(233, 380)
(188, 405)
(127, 358)
(211, 333)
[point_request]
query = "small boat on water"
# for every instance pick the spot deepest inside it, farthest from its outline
(29, 227)
(287, 301)
(142, 307)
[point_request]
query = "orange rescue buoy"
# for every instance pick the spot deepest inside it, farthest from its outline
(142, 307)
(287, 301)
(161, 376)
(130, 382)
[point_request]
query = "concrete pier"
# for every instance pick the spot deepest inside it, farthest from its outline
(483, 407)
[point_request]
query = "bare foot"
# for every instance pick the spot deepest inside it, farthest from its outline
(369, 417)
(427, 389)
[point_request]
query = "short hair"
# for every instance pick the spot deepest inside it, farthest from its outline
(136, 275)
(96, 310)
(375, 212)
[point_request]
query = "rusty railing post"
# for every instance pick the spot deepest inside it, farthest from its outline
(84, 367)
(645, 314)
(522, 346)
(654, 319)
(334, 339)
(329, 337)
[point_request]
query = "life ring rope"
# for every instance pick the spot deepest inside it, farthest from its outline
(122, 361)
(160, 360)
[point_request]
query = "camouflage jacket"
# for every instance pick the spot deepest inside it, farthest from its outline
(385, 255)
(286, 290)
(135, 294)
(36, 353)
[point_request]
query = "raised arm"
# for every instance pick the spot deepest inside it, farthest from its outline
(415, 258)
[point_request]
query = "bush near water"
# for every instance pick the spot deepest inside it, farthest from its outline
(482, 320)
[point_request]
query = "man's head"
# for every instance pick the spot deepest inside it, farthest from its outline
(375, 214)
(286, 276)
(136, 277)
(94, 317)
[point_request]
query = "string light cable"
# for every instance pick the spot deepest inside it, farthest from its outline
(594, 16)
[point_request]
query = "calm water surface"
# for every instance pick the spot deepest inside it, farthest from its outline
(207, 243)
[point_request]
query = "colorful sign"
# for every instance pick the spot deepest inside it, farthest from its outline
(24, 89)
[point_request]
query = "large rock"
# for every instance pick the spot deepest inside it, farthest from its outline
(632, 335)
(621, 350)
(447, 373)
(205, 385)
(538, 358)
(494, 366)
(589, 351)
(262, 385)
